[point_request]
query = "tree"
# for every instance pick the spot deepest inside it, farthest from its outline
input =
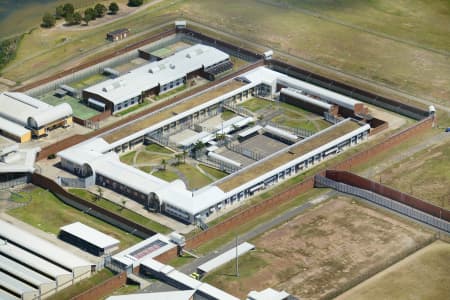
(59, 12)
(135, 2)
(77, 18)
(124, 202)
(99, 193)
(69, 19)
(113, 8)
(48, 20)
(184, 156)
(164, 164)
(100, 10)
(89, 15)
(68, 9)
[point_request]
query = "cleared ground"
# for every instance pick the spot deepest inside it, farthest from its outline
(425, 175)
(46, 212)
(321, 250)
(423, 275)
(80, 110)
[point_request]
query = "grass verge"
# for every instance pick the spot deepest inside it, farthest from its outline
(118, 209)
(46, 212)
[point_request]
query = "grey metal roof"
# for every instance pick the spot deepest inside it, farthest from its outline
(90, 235)
(12, 128)
(7, 296)
(25, 274)
(31, 260)
(41, 247)
(14, 285)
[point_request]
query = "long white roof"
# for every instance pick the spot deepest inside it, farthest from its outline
(12, 128)
(17, 286)
(297, 94)
(225, 257)
(110, 166)
(32, 260)
(172, 295)
(90, 235)
(157, 73)
(22, 272)
(19, 107)
(41, 247)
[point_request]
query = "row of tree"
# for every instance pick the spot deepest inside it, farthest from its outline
(72, 17)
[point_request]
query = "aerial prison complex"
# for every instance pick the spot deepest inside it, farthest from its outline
(23, 117)
(157, 77)
(98, 160)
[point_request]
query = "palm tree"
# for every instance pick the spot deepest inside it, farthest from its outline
(164, 164)
(123, 204)
(99, 193)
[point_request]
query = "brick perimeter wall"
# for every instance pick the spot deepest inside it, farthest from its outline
(103, 289)
(364, 183)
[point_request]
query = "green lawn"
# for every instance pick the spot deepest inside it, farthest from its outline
(157, 148)
(166, 175)
(133, 108)
(88, 81)
(172, 92)
(80, 110)
(124, 212)
(128, 158)
(146, 169)
(227, 114)
(214, 172)
(256, 104)
(83, 285)
(252, 262)
(195, 178)
(150, 158)
(48, 213)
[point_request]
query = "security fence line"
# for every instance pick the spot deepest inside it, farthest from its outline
(321, 181)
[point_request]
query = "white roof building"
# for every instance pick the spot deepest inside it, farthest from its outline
(173, 295)
(91, 235)
(161, 72)
(28, 111)
(268, 294)
(44, 249)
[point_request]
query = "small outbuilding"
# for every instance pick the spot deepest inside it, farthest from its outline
(88, 239)
(117, 35)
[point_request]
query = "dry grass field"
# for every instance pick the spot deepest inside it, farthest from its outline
(321, 250)
(423, 275)
(425, 175)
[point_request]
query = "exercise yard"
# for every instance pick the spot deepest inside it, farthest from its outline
(423, 275)
(321, 250)
(79, 109)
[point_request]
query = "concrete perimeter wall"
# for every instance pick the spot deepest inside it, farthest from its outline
(366, 184)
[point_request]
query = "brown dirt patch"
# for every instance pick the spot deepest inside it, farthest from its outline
(319, 251)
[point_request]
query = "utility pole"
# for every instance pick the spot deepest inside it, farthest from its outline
(237, 258)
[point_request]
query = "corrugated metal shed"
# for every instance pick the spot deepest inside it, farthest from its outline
(90, 235)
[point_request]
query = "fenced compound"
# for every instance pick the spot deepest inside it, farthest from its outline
(321, 181)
